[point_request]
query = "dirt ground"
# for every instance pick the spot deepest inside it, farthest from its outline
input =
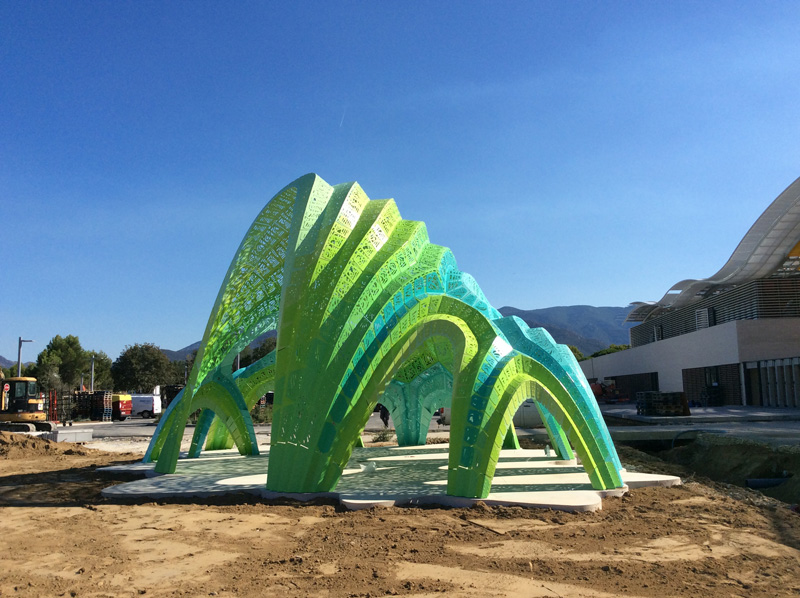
(61, 538)
(735, 460)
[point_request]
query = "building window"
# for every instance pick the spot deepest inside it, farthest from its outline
(658, 332)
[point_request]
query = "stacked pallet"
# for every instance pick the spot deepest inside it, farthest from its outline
(82, 404)
(95, 405)
(66, 408)
(102, 406)
(653, 403)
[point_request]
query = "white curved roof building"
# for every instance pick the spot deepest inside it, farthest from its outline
(770, 249)
(732, 338)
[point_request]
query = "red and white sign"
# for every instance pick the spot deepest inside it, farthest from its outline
(6, 387)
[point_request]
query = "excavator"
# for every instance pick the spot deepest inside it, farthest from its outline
(22, 406)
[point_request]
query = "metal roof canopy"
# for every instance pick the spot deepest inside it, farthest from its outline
(763, 252)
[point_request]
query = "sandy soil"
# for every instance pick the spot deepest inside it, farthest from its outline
(735, 460)
(60, 538)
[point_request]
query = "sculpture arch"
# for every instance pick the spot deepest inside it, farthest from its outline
(356, 294)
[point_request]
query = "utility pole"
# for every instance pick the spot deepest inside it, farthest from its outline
(92, 383)
(19, 355)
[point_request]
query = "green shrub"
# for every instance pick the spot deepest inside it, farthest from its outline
(262, 415)
(384, 435)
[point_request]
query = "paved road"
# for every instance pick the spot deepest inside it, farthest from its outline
(129, 429)
(782, 429)
(138, 427)
(775, 426)
(776, 432)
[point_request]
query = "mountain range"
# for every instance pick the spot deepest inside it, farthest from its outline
(181, 354)
(6, 363)
(588, 328)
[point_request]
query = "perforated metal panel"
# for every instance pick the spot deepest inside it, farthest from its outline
(360, 297)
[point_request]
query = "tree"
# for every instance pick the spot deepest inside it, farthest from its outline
(65, 358)
(265, 348)
(182, 368)
(245, 358)
(610, 349)
(47, 370)
(140, 368)
(249, 355)
(28, 370)
(103, 380)
(579, 356)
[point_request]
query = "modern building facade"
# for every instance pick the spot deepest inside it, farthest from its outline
(731, 339)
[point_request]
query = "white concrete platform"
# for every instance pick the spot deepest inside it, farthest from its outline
(67, 435)
(385, 476)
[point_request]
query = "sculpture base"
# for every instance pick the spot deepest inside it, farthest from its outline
(386, 476)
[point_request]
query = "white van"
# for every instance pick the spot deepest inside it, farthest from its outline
(146, 405)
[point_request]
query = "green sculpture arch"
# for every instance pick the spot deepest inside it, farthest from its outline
(366, 307)
(419, 388)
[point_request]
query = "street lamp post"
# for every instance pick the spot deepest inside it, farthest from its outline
(241, 331)
(19, 355)
(92, 383)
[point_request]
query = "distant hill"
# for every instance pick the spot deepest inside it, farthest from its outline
(7, 363)
(588, 328)
(181, 354)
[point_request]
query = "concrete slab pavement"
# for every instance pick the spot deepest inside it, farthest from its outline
(386, 476)
(773, 426)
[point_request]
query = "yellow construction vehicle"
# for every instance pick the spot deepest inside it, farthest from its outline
(22, 406)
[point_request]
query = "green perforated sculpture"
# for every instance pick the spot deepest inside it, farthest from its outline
(367, 308)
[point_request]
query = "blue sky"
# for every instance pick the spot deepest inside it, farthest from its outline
(567, 152)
